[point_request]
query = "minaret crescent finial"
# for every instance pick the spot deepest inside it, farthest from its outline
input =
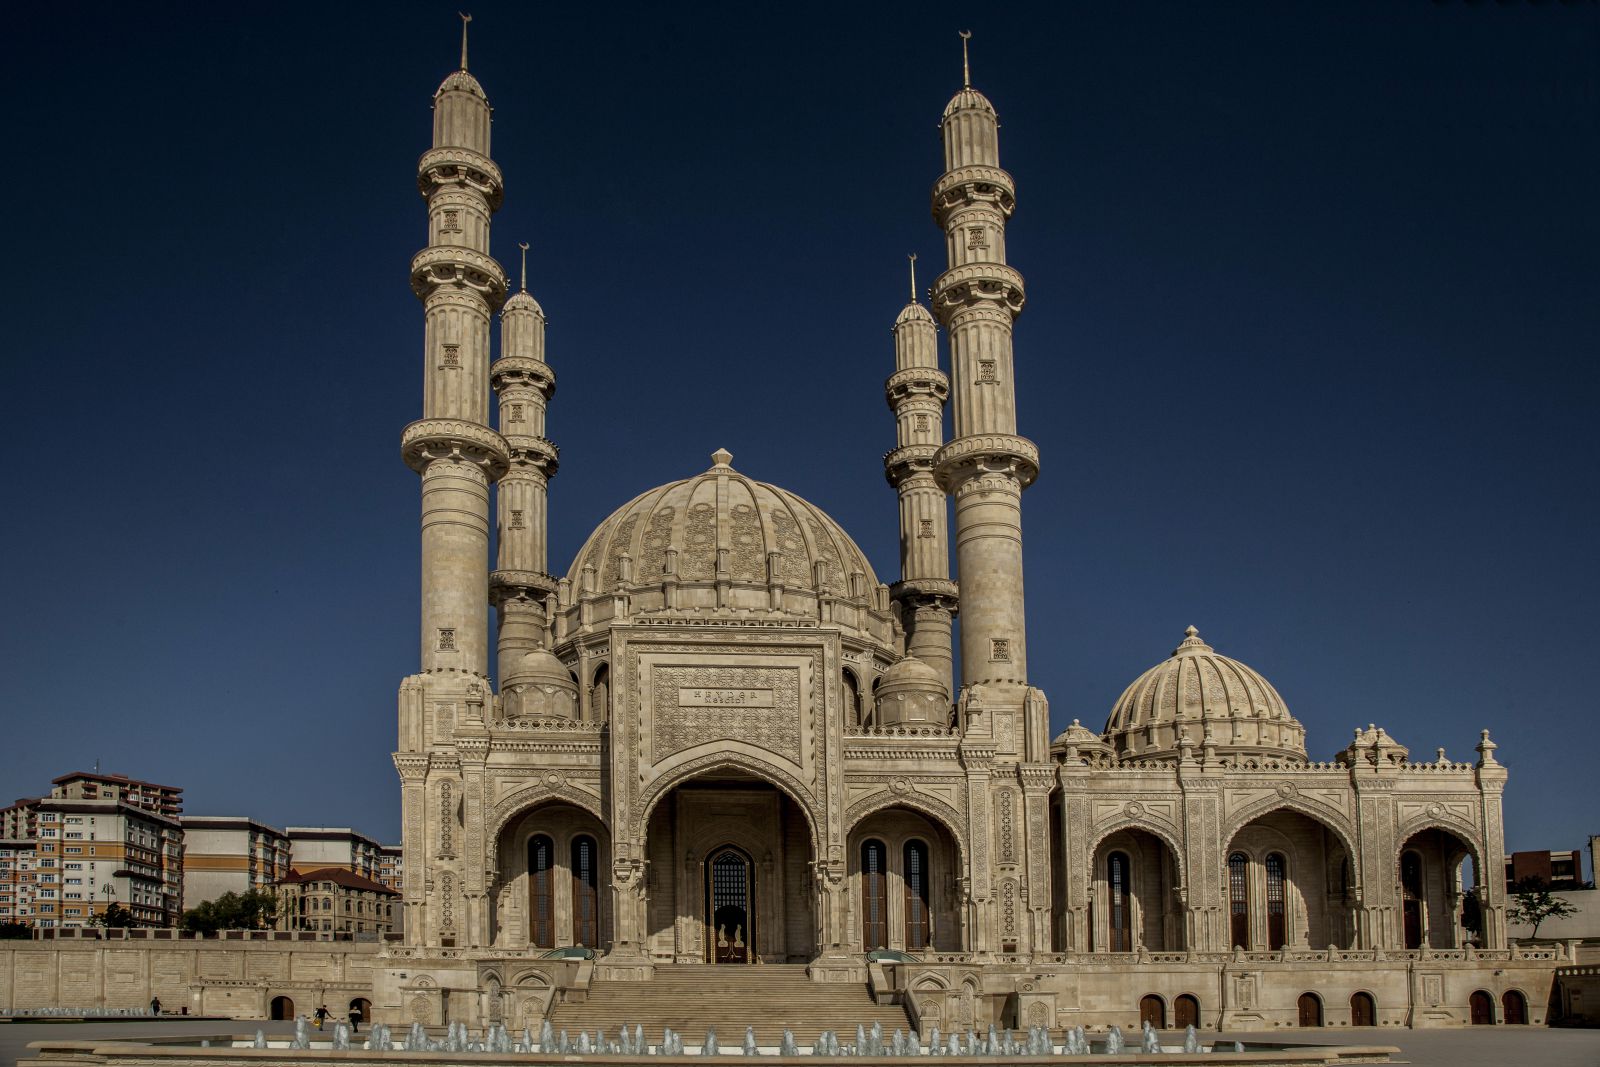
(524, 246)
(913, 277)
(465, 18)
(966, 67)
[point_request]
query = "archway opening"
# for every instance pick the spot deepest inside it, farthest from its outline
(1135, 895)
(1287, 884)
(1153, 1011)
(555, 875)
(1435, 882)
(730, 877)
(903, 870)
(1309, 1010)
(282, 1008)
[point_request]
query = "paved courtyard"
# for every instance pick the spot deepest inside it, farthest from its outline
(1500, 1046)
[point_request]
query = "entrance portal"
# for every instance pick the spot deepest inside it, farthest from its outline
(729, 885)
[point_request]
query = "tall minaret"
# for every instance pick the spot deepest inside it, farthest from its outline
(452, 447)
(525, 384)
(986, 465)
(917, 391)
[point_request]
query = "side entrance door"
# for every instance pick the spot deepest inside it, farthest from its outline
(729, 892)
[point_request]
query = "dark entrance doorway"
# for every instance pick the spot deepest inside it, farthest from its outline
(728, 911)
(1481, 1007)
(1515, 1007)
(1363, 1011)
(1310, 1010)
(1153, 1011)
(282, 1008)
(1185, 1011)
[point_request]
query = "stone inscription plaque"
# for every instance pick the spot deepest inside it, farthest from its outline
(759, 706)
(725, 698)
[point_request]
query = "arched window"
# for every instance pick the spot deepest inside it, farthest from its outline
(1277, 933)
(916, 877)
(1239, 899)
(1411, 897)
(874, 896)
(1119, 888)
(600, 694)
(541, 903)
(852, 700)
(585, 892)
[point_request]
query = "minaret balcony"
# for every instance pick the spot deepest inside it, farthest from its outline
(971, 457)
(442, 167)
(978, 283)
(429, 439)
(508, 372)
(903, 462)
(510, 585)
(917, 381)
(935, 592)
(973, 184)
(529, 451)
(440, 265)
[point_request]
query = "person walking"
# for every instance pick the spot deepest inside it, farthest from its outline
(155, 1005)
(355, 1018)
(321, 1015)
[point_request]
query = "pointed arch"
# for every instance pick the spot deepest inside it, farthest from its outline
(942, 814)
(532, 796)
(1326, 814)
(729, 759)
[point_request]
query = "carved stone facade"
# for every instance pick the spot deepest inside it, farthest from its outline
(719, 738)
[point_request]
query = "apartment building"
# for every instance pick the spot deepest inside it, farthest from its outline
(314, 847)
(230, 854)
(338, 900)
(391, 866)
(17, 883)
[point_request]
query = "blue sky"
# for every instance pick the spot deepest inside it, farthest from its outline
(1309, 352)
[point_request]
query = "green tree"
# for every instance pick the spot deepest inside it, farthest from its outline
(115, 917)
(15, 931)
(1533, 901)
(252, 910)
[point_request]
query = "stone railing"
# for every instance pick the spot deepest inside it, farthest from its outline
(900, 732)
(551, 723)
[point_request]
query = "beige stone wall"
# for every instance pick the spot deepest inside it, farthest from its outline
(222, 977)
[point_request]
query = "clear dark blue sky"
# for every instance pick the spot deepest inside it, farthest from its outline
(1310, 349)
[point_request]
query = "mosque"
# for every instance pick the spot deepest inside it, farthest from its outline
(721, 740)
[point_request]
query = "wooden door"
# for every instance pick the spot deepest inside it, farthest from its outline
(1481, 1007)
(1411, 898)
(1152, 1011)
(916, 878)
(1239, 899)
(1363, 1011)
(585, 892)
(1277, 913)
(874, 896)
(1185, 1012)
(728, 878)
(1120, 906)
(1310, 1010)
(541, 893)
(1515, 1008)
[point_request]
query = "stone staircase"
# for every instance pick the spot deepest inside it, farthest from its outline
(691, 997)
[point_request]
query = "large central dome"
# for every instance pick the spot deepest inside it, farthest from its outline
(724, 542)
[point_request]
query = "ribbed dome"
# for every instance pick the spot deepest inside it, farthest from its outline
(1196, 693)
(723, 512)
(914, 312)
(968, 99)
(461, 81)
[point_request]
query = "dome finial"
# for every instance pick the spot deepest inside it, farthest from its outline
(913, 277)
(1191, 643)
(966, 67)
(524, 246)
(722, 458)
(465, 18)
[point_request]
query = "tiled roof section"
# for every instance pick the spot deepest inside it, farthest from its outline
(339, 876)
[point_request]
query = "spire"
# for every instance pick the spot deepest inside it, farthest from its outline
(966, 67)
(524, 246)
(465, 18)
(913, 277)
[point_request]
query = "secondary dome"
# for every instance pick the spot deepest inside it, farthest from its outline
(1201, 695)
(722, 542)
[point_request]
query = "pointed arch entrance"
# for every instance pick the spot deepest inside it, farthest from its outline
(730, 904)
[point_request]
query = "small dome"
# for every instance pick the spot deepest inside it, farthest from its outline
(968, 99)
(539, 685)
(1202, 696)
(461, 82)
(1078, 736)
(540, 665)
(910, 671)
(914, 312)
(912, 693)
(522, 301)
